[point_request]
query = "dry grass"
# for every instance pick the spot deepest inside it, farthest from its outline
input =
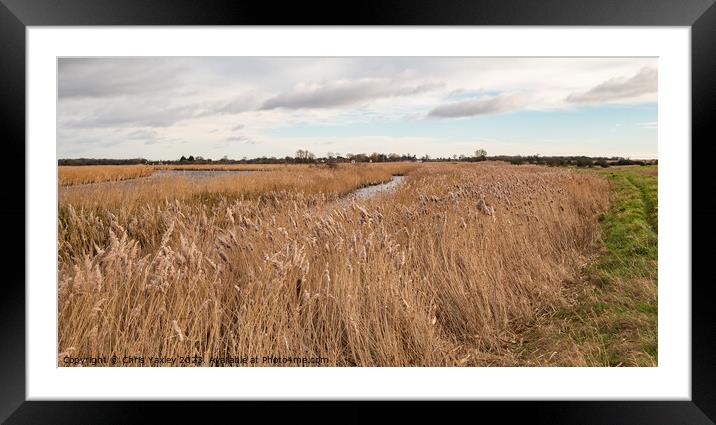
(226, 167)
(128, 196)
(611, 316)
(439, 273)
(69, 175)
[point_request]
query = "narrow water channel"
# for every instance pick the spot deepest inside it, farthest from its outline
(378, 189)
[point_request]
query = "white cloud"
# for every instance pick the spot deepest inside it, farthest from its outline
(648, 125)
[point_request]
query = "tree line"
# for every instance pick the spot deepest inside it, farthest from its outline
(303, 156)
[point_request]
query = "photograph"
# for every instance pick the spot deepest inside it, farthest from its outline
(450, 206)
(369, 211)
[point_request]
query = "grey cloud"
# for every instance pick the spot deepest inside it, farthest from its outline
(145, 112)
(482, 106)
(345, 92)
(106, 77)
(645, 81)
(237, 127)
(142, 135)
(150, 113)
(234, 106)
(240, 138)
(130, 115)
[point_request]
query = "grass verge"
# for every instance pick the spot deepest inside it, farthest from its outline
(610, 318)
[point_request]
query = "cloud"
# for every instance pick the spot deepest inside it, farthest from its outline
(644, 82)
(195, 103)
(485, 105)
(345, 92)
(131, 115)
(241, 138)
(462, 94)
(650, 124)
(236, 105)
(107, 77)
(142, 135)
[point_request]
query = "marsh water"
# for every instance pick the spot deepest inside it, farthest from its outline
(378, 189)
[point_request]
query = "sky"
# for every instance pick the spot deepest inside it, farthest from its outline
(162, 108)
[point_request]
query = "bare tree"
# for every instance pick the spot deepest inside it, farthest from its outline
(304, 155)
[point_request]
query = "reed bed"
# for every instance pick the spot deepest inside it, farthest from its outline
(329, 183)
(438, 273)
(227, 167)
(69, 175)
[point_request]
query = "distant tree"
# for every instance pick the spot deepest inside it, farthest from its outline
(360, 157)
(191, 158)
(182, 159)
(481, 154)
(584, 162)
(304, 156)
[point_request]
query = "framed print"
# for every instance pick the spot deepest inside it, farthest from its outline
(408, 203)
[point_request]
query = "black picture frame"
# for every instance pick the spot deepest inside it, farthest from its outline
(16, 15)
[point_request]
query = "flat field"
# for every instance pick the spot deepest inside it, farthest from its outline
(459, 265)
